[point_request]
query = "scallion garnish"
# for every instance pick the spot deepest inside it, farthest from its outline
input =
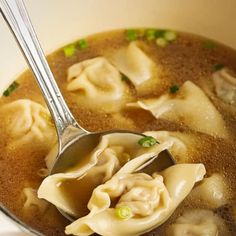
(69, 50)
(141, 33)
(170, 36)
(83, 44)
(11, 88)
(161, 42)
(131, 34)
(123, 212)
(147, 141)
(217, 67)
(124, 77)
(160, 33)
(209, 44)
(150, 34)
(174, 88)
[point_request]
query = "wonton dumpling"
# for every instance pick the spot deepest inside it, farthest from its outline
(111, 153)
(189, 106)
(134, 63)
(29, 122)
(32, 201)
(182, 144)
(211, 191)
(225, 85)
(198, 223)
(96, 79)
(152, 199)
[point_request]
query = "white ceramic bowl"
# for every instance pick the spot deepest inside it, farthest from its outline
(58, 22)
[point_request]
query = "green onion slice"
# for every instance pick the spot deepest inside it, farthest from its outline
(69, 50)
(141, 33)
(147, 141)
(209, 44)
(131, 34)
(174, 88)
(83, 44)
(10, 89)
(160, 33)
(161, 42)
(217, 67)
(123, 212)
(150, 34)
(124, 77)
(170, 36)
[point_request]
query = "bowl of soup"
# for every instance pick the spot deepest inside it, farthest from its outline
(157, 67)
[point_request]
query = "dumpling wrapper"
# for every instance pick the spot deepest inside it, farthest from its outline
(212, 192)
(134, 63)
(225, 85)
(32, 202)
(198, 222)
(183, 145)
(96, 168)
(166, 189)
(96, 80)
(189, 106)
(29, 122)
(179, 145)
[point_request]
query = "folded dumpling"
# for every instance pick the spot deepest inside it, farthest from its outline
(29, 122)
(113, 151)
(198, 222)
(96, 80)
(225, 85)
(32, 202)
(183, 145)
(189, 106)
(133, 203)
(134, 63)
(212, 192)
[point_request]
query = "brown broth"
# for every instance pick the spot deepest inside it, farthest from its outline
(184, 59)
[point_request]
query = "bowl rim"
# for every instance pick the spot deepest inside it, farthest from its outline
(20, 224)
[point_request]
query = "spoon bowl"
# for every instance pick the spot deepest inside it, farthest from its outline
(81, 146)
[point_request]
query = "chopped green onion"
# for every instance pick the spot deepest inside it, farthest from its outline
(174, 89)
(131, 34)
(150, 34)
(160, 33)
(217, 67)
(69, 50)
(170, 36)
(123, 212)
(83, 44)
(124, 77)
(10, 89)
(141, 33)
(209, 44)
(161, 42)
(147, 141)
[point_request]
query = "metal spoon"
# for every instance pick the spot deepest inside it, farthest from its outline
(73, 140)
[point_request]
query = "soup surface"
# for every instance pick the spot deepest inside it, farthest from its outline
(208, 129)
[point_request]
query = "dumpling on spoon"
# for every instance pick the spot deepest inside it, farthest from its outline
(134, 203)
(114, 150)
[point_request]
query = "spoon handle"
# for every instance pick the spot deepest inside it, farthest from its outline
(16, 16)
